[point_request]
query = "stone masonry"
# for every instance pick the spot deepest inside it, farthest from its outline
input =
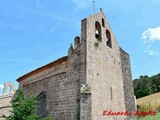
(95, 76)
(5, 100)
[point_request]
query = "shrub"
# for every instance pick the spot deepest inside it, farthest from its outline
(24, 108)
(145, 107)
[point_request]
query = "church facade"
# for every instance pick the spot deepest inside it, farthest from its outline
(93, 79)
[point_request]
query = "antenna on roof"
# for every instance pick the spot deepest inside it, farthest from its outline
(94, 6)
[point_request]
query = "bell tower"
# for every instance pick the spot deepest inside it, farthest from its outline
(108, 75)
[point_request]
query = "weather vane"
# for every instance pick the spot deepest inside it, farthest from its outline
(94, 6)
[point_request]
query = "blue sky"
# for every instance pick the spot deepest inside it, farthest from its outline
(34, 33)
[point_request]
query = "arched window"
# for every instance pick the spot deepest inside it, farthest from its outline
(42, 104)
(108, 42)
(98, 31)
(11, 85)
(103, 23)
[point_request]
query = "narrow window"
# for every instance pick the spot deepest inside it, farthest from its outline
(103, 24)
(111, 93)
(98, 31)
(108, 42)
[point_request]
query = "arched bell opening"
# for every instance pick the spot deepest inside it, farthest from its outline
(98, 31)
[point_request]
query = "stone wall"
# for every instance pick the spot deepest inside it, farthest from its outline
(128, 83)
(103, 70)
(5, 105)
(85, 110)
(6, 99)
(60, 88)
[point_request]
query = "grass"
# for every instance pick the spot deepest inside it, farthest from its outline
(153, 99)
(157, 117)
(149, 103)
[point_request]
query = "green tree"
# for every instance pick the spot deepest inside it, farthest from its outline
(145, 85)
(141, 77)
(24, 108)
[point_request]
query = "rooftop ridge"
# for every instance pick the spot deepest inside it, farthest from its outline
(56, 62)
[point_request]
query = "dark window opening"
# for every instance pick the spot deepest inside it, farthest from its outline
(42, 104)
(111, 93)
(108, 42)
(98, 31)
(103, 24)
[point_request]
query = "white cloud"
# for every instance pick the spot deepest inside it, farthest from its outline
(1, 86)
(151, 52)
(151, 34)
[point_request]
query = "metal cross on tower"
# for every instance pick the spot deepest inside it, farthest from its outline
(94, 6)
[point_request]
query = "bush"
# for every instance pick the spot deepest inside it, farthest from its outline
(24, 108)
(145, 107)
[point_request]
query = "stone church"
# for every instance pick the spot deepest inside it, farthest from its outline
(94, 77)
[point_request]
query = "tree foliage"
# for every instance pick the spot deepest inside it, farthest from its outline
(24, 108)
(145, 85)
